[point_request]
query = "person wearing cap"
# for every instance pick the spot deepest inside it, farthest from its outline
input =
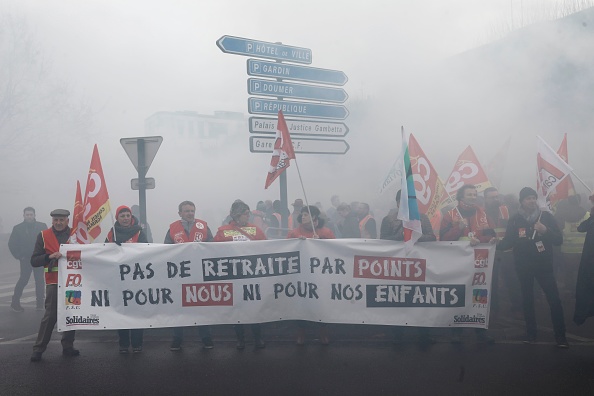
(189, 229)
(21, 243)
(239, 229)
(127, 229)
(531, 233)
(467, 222)
(311, 227)
(46, 253)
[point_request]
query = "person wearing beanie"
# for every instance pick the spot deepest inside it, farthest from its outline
(240, 229)
(127, 229)
(531, 234)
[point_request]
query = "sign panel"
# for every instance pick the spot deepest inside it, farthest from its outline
(265, 144)
(263, 49)
(299, 127)
(151, 146)
(297, 109)
(261, 68)
(258, 86)
(149, 183)
(355, 281)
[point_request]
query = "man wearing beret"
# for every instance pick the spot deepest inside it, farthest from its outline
(46, 254)
(531, 233)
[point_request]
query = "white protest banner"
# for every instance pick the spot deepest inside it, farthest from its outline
(440, 284)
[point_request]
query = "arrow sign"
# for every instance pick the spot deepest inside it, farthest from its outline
(299, 127)
(258, 86)
(297, 109)
(264, 144)
(261, 68)
(263, 49)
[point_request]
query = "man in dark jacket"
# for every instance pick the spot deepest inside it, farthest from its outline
(584, 288)
(21, 243)
(531, 233)
(46, 254)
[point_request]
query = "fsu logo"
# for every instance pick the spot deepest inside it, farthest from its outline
(481, 258)
(73, 258)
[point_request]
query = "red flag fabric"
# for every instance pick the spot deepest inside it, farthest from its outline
(467, 170)
(566, 188)
(551, 171)
(96, 197)
(78, 233)
(282, 153)
(428, 188)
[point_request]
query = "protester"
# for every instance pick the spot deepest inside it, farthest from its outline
(127, 229)
(392, 229)
(311, 227)
(259, 218)
(531, 233)
(239, 229)
(189, 229)
(467, 221)
(297, 205)
(20, 244)
(584, 288)
(367, 225)
(348, 225)
(46, 253)
(498, 217)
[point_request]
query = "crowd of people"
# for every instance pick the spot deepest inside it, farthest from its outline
(532, 244)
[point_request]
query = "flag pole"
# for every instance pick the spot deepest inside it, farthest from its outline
(313, 227)
(581, 181)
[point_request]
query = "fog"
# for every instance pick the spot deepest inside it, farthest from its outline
(453, 73)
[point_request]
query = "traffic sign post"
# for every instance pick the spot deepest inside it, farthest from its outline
(258, 86)
(263, 49)
(261, 68)
(296, 109)
(299, 127)
(142, 151)
(265, 144)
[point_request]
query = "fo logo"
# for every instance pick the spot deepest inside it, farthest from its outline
(73, 297)
(73, 259)
(481, 258)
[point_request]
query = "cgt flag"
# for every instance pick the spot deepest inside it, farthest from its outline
(78, 233)
(551, 170)
(96, 198)
(467, 170)
(282, 153)
(565, 189)
(408, 210)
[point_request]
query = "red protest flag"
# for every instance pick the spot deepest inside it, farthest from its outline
(467, 170)
(96, 197)
(428, 188)
(78, 232)
(551, 171)
(282, 153)
(565, 189)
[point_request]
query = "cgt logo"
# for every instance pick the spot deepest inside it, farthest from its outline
(481, 258)
(73, 297)
(74, 280)
(73, 258)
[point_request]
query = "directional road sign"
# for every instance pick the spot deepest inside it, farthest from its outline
(262, 68)
(299, 127)
(257, 86)
(265, 144)
(263, 49)
(297, 109)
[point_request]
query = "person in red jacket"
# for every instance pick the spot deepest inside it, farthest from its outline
(239, 229)
(46, 253)
(311, 227)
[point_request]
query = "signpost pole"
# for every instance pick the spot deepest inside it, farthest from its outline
(141, 180)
